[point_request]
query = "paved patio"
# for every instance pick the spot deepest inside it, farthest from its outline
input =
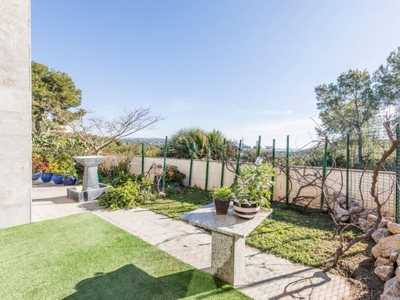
(268, 276)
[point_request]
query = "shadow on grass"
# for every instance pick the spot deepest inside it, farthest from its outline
(130, 282)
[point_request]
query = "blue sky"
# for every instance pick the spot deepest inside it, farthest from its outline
(246, 68)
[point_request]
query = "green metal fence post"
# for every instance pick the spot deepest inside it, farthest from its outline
(191, 164)
(397, 177)
(238, 160)
(142, 158)
(324, 163)
(165, 165)
(347, 169)
(287, 169)
(223, 166)
(207, 167)
(273, 165)
(259, 146)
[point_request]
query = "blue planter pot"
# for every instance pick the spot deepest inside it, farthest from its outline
(36, 176)
(46, 176)
(58, 178)
(69, 181)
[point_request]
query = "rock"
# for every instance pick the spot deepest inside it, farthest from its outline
(364, 224)
(356, 209)
(372, 218)
(385, 297)
(337, 194)
(394, 256)
(379, 234)
(393, 227)
(381, 261)
(342, 215)
(384, 272)
(341, 200)
(383, 223)
(386, 246)
(391, 290)
(397, 272)
(324, 207)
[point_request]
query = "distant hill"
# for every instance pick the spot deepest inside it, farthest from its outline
(146, 141)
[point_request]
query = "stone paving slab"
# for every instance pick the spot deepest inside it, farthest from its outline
(267, 276)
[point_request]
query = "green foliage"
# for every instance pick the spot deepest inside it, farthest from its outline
(52, 91)
(221, 193)
(349, 105)
(172, 174)
(388, 79)
(113, 166)
(253, 184)
(196, 141)
(63, 164)
(124, 196)
(123, 177)
(96, 263)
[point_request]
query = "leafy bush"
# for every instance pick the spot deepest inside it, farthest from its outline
(125, 196)
(39, 164)
(222, 193)
(123, 177)
(63, 164)
(172, 174)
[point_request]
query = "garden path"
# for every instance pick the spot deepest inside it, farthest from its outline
(268, 276)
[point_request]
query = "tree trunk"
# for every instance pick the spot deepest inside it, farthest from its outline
(37, 126)
(360, 147)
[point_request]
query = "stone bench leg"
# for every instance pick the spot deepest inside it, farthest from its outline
(227, 257)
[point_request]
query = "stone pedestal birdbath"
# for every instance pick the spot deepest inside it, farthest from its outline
(91, 188)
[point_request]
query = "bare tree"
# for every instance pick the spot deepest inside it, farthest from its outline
(98, 133)
(376, 195)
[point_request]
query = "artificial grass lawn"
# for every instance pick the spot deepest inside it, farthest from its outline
(303, 238)
(85, 257)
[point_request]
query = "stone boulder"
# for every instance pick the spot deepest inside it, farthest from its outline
(394, 228)
(386, 246)
(391, 290)
(383, 223)
(379, 234)
(394, 256)
(384, 272)
(355, 208)
(341, 200)
(381, 261)
(337, 194)
(372, 218)
(342, 215)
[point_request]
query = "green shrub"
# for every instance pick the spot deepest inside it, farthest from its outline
(125, 196)
(172, 174)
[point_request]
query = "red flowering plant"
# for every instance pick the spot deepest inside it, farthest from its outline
(39, 164)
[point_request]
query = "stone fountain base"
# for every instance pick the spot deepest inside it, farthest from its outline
(76, 193)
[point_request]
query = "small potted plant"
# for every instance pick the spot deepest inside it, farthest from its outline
(70, 179)
(252, 189)
(222, 197)
(60, 166)
(38, 166)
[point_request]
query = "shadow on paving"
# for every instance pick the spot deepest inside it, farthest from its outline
(130, 282)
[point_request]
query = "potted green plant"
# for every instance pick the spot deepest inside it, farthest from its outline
(252, 189)
(222, 197)
(60, 166)
(39, 165)
(70, 179)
